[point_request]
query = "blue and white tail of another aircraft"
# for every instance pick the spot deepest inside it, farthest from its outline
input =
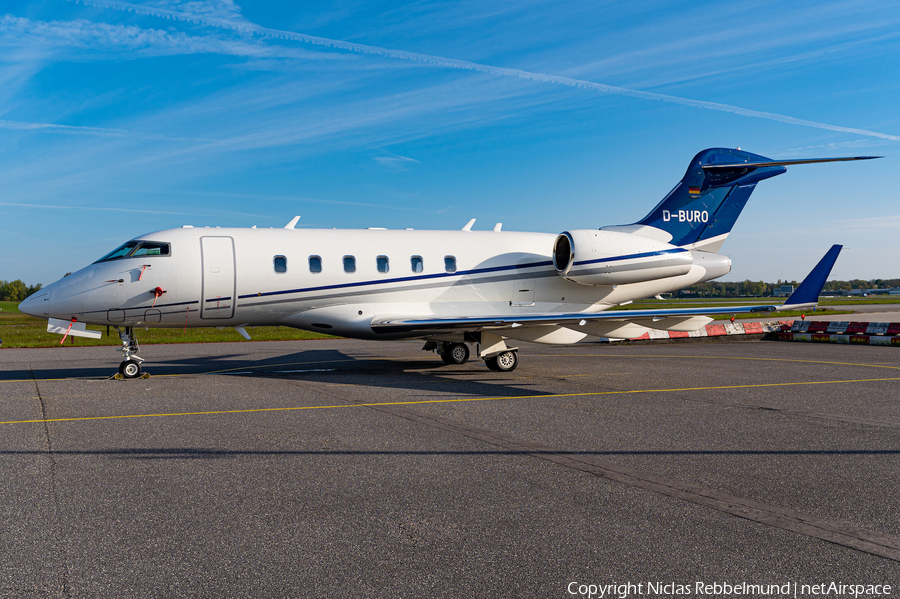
(451, 288)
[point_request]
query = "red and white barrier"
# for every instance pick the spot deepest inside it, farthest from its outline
(861, 333)
(821, 331)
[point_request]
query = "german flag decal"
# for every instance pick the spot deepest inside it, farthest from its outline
(694, 191)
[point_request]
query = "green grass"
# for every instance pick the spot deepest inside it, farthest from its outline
(862, 301)
(722, 303)
(704, 302)
(692, 302)
(21, 330)
(810, 315)
(822, 310)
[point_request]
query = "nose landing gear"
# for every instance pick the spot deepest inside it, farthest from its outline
(130, 368)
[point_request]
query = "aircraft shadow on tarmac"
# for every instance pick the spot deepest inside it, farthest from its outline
(426, 374)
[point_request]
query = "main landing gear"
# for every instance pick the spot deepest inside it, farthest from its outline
(492, 348)
(503, 362)
(130, 368)
(453, 353)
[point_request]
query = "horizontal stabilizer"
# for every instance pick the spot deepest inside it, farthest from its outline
(736, 165)
(61, 327)
(808, 291)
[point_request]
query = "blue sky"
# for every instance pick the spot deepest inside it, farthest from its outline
(121, 118)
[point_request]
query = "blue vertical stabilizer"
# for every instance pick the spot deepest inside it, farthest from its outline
(707, 201)
(808, 291)
(709, 198)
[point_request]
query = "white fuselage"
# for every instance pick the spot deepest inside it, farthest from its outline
(230, 277)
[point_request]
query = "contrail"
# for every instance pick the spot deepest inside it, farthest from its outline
(244, 26)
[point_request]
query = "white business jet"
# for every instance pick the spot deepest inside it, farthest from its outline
(452, 289)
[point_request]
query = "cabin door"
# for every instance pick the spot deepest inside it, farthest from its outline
(218, 277)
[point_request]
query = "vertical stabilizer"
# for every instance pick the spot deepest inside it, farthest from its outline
(702, 209)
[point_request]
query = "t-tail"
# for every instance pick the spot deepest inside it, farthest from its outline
(702, 209)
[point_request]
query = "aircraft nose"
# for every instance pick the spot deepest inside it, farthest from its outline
(36, 304)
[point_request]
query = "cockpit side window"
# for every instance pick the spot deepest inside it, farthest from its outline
(120, 252)
(134, 249)
(151, 248)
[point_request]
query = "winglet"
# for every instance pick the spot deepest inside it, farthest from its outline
(808, 291)
(468, 226)
(293, 223)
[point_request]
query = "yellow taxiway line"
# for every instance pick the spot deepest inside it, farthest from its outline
(453, 400)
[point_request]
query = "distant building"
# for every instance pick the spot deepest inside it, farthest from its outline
(876, 291)
(784, 290)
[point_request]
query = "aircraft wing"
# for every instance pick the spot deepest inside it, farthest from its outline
(805, 296)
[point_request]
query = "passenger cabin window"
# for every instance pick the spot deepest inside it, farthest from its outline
(280, 264)
(349, 264)
(382, 263)
(450, 263)
(417, 265)
(315, 264)
(133, 249)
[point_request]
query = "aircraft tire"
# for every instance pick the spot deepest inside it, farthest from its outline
(505, 362)
(130, 369)
(455, 353)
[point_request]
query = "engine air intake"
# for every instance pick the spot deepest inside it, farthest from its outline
(562, 253)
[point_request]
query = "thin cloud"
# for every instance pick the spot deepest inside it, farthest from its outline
(92, 37)
(269, 198)
(362, 122)
(98, 131)
(396, 162)
(97, 208)
(241, 25)
(854, 144)
(207, 214)
(27, 126)
(878, 222)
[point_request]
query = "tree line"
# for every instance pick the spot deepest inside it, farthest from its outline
(763, 289)
(16, 291)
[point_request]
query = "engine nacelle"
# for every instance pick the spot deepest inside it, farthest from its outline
(592, 257)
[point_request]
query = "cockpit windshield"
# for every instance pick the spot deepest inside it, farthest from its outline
(134, 249)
